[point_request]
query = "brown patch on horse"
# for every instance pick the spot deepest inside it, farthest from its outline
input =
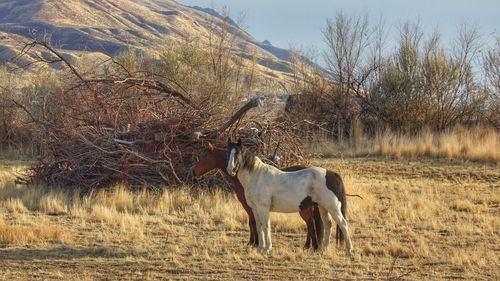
(306, 203)
(310, 212)
(336, 185)
(307, 215)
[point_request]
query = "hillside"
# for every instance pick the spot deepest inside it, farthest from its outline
(110, 27)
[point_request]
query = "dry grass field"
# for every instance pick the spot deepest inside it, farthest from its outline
(476, 144)
(419, 219)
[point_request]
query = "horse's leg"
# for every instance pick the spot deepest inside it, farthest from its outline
(263, 217)
(306, 216)
(254, 236)
(258, 220)
(327, 224)
(342, 223)
(318, 225)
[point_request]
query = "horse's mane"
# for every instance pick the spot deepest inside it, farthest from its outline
(248, 158)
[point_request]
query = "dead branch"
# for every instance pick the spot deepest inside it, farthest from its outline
(236, 116)
(148, 84)
(60, 57)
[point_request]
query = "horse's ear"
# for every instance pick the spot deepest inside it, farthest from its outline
(210, 146)
(239, 142)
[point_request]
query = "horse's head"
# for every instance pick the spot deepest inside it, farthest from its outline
(211, 158)
(234, 150)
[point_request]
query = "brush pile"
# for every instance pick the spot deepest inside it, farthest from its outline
(93, 156)
(155, 154)
(145, 131)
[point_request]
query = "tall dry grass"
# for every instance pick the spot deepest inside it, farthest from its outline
(119, 213)
(476, 144)
(33, 233)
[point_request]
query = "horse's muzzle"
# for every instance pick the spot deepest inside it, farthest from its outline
(232, 171)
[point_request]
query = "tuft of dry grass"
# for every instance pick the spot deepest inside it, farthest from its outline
(54, 203)
(14, 205)
(29, 235)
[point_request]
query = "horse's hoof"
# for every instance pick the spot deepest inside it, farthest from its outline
(322, 249)
(350, 253)
(312, 247)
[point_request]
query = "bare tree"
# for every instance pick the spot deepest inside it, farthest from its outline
(491, 68)
(353, 57)
(8, 112)
(467, 99)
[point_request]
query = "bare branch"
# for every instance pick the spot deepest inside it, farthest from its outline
(236, 116)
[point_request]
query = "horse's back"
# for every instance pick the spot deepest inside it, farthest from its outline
(301, 182)
(284, 191)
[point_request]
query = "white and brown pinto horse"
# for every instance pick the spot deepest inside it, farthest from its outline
(268, 189)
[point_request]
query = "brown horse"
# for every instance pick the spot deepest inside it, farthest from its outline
(214, 158)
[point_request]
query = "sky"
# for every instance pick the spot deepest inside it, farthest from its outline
(298, 23)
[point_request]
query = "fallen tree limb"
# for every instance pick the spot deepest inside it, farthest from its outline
(236, 116)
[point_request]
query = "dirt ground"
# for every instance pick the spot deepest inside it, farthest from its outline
(423, 219)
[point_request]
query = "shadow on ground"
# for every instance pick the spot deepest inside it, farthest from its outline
(66, 253)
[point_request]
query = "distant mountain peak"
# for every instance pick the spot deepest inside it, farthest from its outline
(266, 42)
